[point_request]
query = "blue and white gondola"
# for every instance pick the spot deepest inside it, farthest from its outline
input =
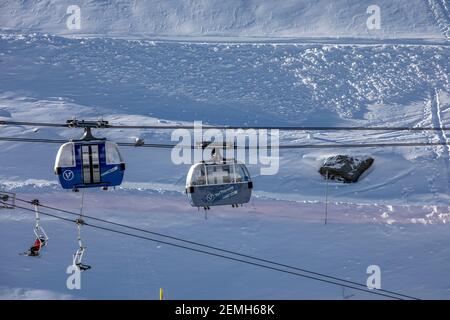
(216, 184)
(89, 164)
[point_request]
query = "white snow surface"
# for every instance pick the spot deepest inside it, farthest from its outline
(236, 63)
(49, 78)
(233, 18)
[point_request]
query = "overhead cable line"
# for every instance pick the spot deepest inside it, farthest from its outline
(214, 254)
(206, 246)
(346, 283)
(105, 124)
(283, 146)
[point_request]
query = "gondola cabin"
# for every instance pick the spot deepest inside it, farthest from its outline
(215, 184)
(89, 164)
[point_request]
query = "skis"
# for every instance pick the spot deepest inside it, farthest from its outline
(29, 254)
(83, 267)
(43, 243)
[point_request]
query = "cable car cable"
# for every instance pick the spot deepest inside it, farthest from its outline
(215, 248)
(104, 124)
(285, 146)
(78, 256)
(226, 257)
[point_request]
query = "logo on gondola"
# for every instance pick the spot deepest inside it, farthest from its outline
(68, 175)
(210, 197)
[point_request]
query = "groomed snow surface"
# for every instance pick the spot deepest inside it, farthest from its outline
(395, 217)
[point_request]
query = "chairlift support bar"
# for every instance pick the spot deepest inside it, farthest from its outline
(78, 256)
(39, 232)
(35, 204)
(79, 223)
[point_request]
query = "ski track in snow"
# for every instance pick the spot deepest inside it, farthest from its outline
(442, 133)
(441, 151)
(441, 13)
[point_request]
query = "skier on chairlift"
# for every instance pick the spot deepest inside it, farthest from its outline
(35, 248)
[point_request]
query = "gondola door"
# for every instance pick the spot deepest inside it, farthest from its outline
(91, 164)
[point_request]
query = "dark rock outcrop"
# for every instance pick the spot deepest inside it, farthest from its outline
(345, 168)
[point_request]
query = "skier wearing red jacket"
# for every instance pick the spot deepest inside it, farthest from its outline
(34, 250)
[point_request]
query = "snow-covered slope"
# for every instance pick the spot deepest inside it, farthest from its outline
(254, 18)
(395, 217)
(51, 78)
(413, 258)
